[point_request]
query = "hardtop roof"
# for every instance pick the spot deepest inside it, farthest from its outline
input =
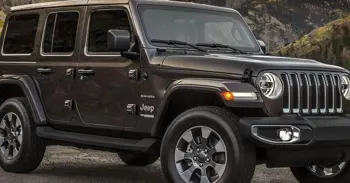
(68, 3)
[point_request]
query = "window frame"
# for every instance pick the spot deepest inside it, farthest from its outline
(157, 45)
(59, 54)
(87, 27)
(6, 29)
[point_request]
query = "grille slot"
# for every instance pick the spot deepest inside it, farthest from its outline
(286, 93)
(338, 95)
(322, 97)
(331, 94)
(305, 93)
(296, 93)
(311, 93)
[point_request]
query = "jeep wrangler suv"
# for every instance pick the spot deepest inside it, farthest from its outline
(185, 82)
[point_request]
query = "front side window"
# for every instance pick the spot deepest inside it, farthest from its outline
(60, 32)
(20, 34)
(196, 26)
(100, 23)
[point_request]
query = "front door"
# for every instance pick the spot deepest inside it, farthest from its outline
(57, 61)
(103, 85)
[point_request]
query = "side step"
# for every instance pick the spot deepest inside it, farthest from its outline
(144, 145)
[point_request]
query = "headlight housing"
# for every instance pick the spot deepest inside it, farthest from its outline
(271, 86)
(345, 82)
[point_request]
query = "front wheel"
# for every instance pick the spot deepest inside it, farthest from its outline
(203, 145)
(330, 173)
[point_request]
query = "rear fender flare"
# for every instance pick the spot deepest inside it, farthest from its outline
(29, 88)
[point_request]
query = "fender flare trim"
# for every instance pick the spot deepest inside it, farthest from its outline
(30, 91)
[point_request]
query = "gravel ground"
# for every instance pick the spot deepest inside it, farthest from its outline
(71, 165)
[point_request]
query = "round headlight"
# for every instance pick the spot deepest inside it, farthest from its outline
(345, 82)
(271, 86)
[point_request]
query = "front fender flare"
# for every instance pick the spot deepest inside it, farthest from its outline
(209, 85)
(28, 86)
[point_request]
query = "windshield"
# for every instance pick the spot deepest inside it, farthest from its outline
(195, 26)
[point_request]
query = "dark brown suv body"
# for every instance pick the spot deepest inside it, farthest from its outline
(97, 74)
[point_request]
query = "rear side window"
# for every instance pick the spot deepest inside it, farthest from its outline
(60, 33)
(20, 34)
(100, 23)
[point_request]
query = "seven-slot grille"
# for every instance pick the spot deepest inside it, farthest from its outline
(312, 93)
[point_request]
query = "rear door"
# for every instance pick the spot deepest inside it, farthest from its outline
(58, 60)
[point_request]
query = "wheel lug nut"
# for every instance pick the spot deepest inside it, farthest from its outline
(198, 150)
(208, 159)
(195, 158)
(201, 165)
(206, 150)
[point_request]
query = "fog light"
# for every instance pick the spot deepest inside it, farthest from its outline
(285, 134)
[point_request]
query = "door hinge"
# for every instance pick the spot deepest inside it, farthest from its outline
(131, 108)
(70, 72)
(134, 74)
(68, 104)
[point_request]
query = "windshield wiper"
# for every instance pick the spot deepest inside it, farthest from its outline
(176, 42)
(218, 45)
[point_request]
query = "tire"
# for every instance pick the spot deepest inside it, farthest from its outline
(304, 175)
(137, 159)
(220, 124)
(31, 150)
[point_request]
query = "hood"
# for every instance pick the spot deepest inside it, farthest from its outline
(236, 64)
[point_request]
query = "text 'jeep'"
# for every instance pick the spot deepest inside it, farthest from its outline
(185, 82)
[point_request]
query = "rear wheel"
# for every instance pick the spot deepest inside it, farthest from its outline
(21, 150)
(137, 159)
(203, 145)
(337, 172)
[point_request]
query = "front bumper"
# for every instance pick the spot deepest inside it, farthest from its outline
(314, 131)
(322, 139)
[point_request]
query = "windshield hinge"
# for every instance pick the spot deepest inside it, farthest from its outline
(161, 50)
(247, 75)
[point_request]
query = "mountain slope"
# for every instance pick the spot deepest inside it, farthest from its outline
(329, 44)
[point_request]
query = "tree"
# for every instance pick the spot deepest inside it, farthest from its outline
(6, 4)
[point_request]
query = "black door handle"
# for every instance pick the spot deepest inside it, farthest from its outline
(86, 72)
(44, 70)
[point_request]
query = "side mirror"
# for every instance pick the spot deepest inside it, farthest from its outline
(118, 40)
(262, 45)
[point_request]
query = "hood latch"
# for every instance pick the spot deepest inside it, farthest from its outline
(247, 75)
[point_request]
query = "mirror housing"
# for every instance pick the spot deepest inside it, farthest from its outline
(118, 40)
(262, 46)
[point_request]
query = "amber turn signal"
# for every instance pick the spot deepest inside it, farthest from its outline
(228, 95)
(239, 96)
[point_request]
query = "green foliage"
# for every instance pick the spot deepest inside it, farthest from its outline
(1, 25)
(2, 20)
(329, 44)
